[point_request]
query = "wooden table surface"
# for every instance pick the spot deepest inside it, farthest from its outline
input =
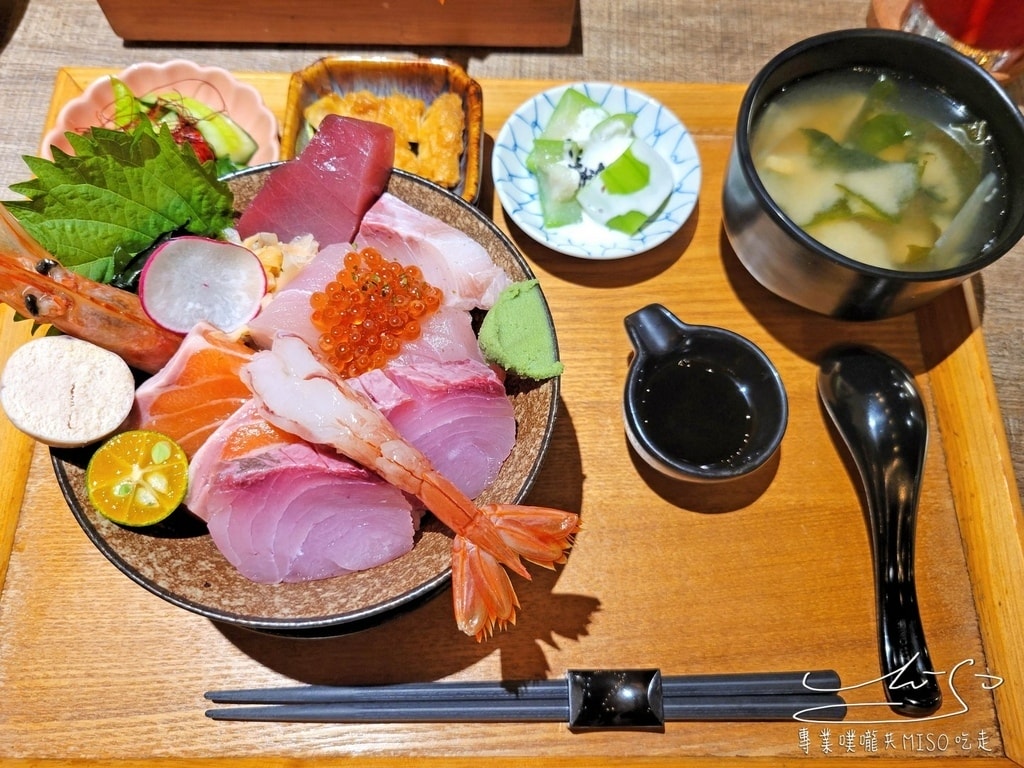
(771, 573)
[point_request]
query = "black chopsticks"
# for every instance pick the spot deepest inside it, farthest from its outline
(584, 699)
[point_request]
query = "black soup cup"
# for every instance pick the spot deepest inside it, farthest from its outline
(792, 264)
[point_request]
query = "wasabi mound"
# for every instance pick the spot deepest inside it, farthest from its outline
(516, 334)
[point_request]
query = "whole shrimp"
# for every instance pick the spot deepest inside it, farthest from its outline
(38, 287)
(298, 394)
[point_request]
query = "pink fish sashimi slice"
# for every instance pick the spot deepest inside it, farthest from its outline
(311, 518)
(290, 511)
(448, 257)
(326, 190)
(289, 310)
(445, 335)
(456, 414)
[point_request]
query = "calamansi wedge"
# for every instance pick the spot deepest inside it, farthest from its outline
(137, 478)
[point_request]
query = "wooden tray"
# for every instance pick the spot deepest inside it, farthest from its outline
(772, 573)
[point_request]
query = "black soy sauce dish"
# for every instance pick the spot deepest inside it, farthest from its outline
(701, 403)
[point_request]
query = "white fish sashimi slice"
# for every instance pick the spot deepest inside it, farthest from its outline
(446, 336)
(448, 257)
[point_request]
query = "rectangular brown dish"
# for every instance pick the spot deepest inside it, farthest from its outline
(414, 80)
(769, 574)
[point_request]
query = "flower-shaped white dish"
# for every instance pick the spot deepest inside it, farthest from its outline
(655, 124)
(215, 87)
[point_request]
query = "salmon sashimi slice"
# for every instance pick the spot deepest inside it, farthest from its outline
(196, 391)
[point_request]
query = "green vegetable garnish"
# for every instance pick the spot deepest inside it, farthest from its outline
(119, 192)
(881, 132)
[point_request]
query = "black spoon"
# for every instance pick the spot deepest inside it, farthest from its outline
(878, 411)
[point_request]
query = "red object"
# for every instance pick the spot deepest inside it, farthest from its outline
(991, 25)
(326, 190)
(188, 133)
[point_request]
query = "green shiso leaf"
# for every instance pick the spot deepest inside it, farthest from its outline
(119, 192)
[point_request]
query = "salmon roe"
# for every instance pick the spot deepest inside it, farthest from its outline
(371, 307)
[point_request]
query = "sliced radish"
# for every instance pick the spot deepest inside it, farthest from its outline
(191, 279)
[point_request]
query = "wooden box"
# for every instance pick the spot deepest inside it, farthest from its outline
(498, 23)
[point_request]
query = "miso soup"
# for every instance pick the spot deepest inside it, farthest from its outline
(881, 169)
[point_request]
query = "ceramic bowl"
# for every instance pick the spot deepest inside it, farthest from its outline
(214, 86)
(656, 124)
(701, 403)
(795, 266)
(178, 561)
(421, 78)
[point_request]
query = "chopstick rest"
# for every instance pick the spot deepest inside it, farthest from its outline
(615, 699)
(585, 700)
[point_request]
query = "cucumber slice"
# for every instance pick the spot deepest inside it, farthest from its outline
(547, 152)
(126, 106)
(609, 140)
(226, 138)
(557, 182)
(628, 192)
(575, 116)
(612, 127)
(586, 159)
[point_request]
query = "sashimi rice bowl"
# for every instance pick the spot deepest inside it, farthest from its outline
(251, 546)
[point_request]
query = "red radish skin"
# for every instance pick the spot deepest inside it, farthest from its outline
(189, 280)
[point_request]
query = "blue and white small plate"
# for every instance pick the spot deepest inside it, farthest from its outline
(655, 124)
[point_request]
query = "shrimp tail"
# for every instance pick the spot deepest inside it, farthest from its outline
(38, 287)
(483, 595)
(539, 534)
(482, 592)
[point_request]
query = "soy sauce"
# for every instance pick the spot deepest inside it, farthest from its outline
(694, 412)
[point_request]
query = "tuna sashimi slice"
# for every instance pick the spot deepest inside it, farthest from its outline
(326, 190)
(457, 414)
(196, 391)
(280, 509)
(449, 258)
